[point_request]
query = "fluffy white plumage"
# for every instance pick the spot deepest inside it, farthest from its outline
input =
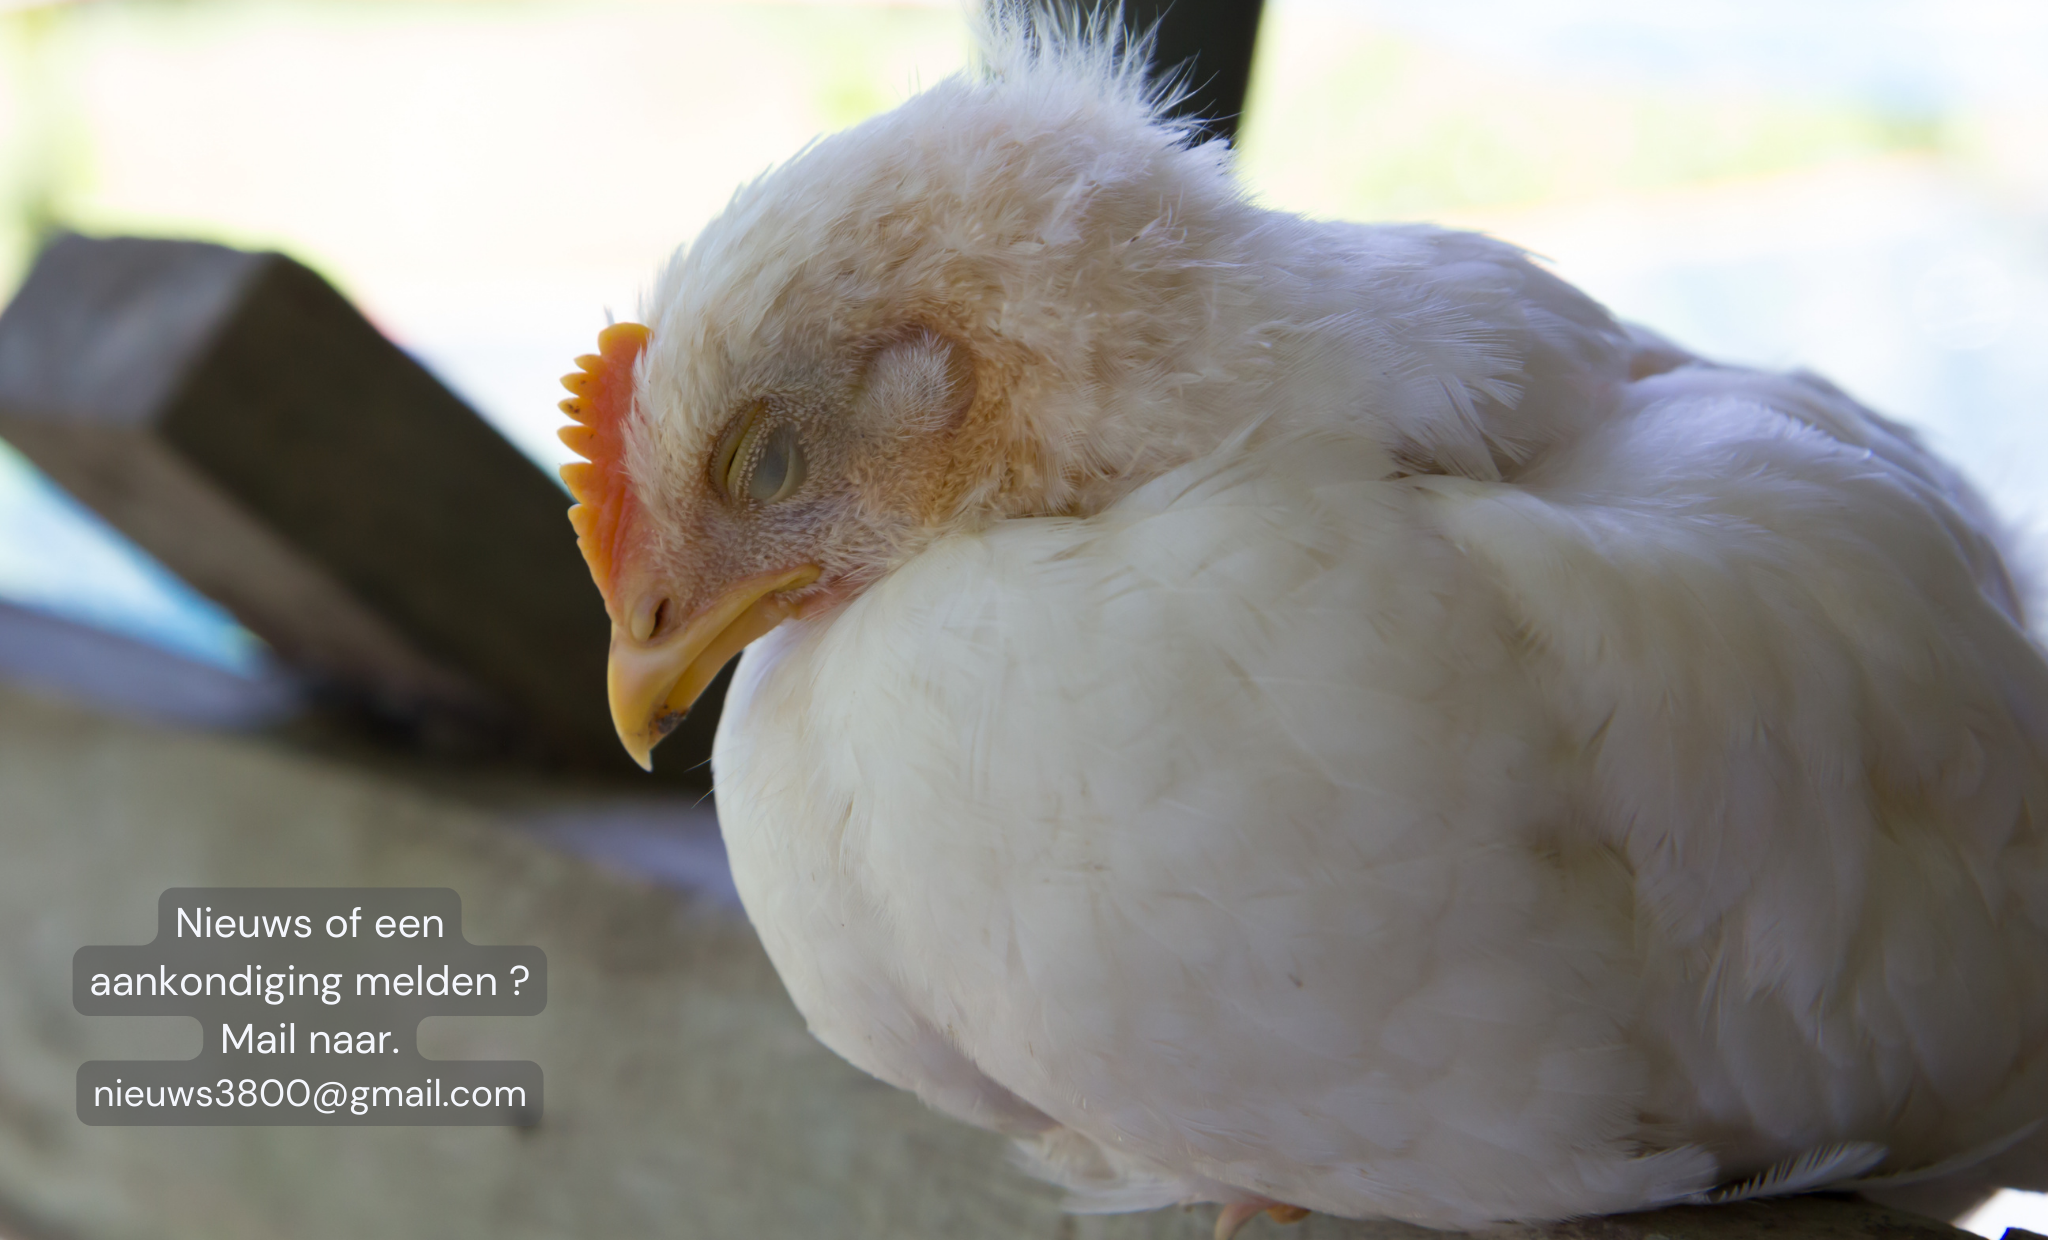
(1341, 722)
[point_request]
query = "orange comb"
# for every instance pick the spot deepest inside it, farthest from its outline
(603, 387)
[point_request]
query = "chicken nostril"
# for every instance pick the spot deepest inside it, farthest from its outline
(647, 620)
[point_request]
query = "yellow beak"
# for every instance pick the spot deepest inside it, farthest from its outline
(653, 683)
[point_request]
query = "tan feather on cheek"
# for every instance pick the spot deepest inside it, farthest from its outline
(934, 426)
(959, 448)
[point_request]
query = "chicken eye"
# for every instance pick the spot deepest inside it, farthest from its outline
(760, 460)
(737, 451)
(780, 469)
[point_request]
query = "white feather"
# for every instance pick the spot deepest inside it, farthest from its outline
(1824, 1166)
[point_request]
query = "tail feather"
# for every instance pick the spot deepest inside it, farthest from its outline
(1823, 1166)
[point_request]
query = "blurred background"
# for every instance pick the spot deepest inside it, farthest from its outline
(1855, 186)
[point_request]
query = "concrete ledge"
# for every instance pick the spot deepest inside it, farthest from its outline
(684, 1097)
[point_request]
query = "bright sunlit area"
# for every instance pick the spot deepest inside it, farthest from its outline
(2008, 1209)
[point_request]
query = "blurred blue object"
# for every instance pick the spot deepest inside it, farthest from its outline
(107, 671)
(58, 557)
(672, 843)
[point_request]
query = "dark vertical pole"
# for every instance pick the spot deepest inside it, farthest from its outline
(1208, 43)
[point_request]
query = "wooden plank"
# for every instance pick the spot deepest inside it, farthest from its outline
(238, 419)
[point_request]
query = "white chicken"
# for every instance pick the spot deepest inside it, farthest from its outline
(1308, 716)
